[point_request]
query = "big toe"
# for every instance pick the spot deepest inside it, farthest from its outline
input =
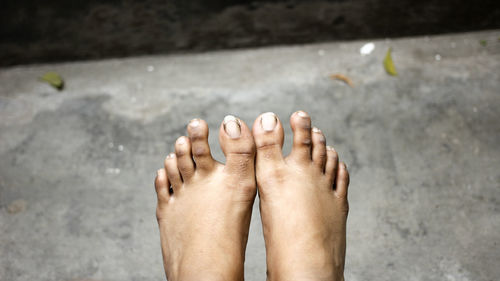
(239, 148)
(268, 135)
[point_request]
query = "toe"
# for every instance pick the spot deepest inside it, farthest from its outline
(301, 127)
(173, 174)
(238, 146)
(185, 162)
(268, 135)
(318, 148)
(162, 186)
(331, 166)
(198, 134)
(342, 181)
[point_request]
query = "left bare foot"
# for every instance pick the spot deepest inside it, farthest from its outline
(205, 217)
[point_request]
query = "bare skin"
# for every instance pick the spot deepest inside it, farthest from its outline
(303, 201)
(204, 219)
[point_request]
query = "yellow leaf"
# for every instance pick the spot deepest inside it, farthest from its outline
(54, 79)
(389, 64)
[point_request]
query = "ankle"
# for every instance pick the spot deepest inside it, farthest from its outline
(305, 271)
(303, 276)
(213, 270)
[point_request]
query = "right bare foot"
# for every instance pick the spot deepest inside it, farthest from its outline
(303, 201)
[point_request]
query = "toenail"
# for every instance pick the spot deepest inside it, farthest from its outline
(181, 140)
(322, 138)
(268, 121)
(302, 114)
(330, 148)
(171, 155)
(194, 123)
(232, 126)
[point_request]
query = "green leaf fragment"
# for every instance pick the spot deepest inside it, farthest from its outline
(389, 64)
(54, 79)
(483, 43)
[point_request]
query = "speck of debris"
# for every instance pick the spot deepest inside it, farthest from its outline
(16, 206)
(367, 49)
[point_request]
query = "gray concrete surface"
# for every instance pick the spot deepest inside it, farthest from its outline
(77, 166)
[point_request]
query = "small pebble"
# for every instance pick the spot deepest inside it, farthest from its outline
(367, 49)
(16, 206)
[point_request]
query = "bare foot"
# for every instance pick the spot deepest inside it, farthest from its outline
(303, 201)
(205, 216)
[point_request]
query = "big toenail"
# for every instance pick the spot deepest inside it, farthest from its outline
(302, 114)
(232, 126)
(194, 123)
(268, 121)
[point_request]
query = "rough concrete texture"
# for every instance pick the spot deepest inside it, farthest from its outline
(423, 149)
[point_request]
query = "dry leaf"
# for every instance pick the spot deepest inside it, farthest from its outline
(343, 78)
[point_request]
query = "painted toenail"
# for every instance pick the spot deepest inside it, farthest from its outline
(232, 126)
(302, 114)
(268, 121)
(194, 123)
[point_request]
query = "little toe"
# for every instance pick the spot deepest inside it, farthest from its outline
(185, 162)
(331, 166)
(301, 127)
(162, 186)
(198, 134)
(173, 174)
(318, 148)
(342, 181)
(238, 146)
(268, 136)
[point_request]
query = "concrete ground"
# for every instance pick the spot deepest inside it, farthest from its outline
(423, 148)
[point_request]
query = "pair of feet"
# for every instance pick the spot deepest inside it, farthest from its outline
(204, 207)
